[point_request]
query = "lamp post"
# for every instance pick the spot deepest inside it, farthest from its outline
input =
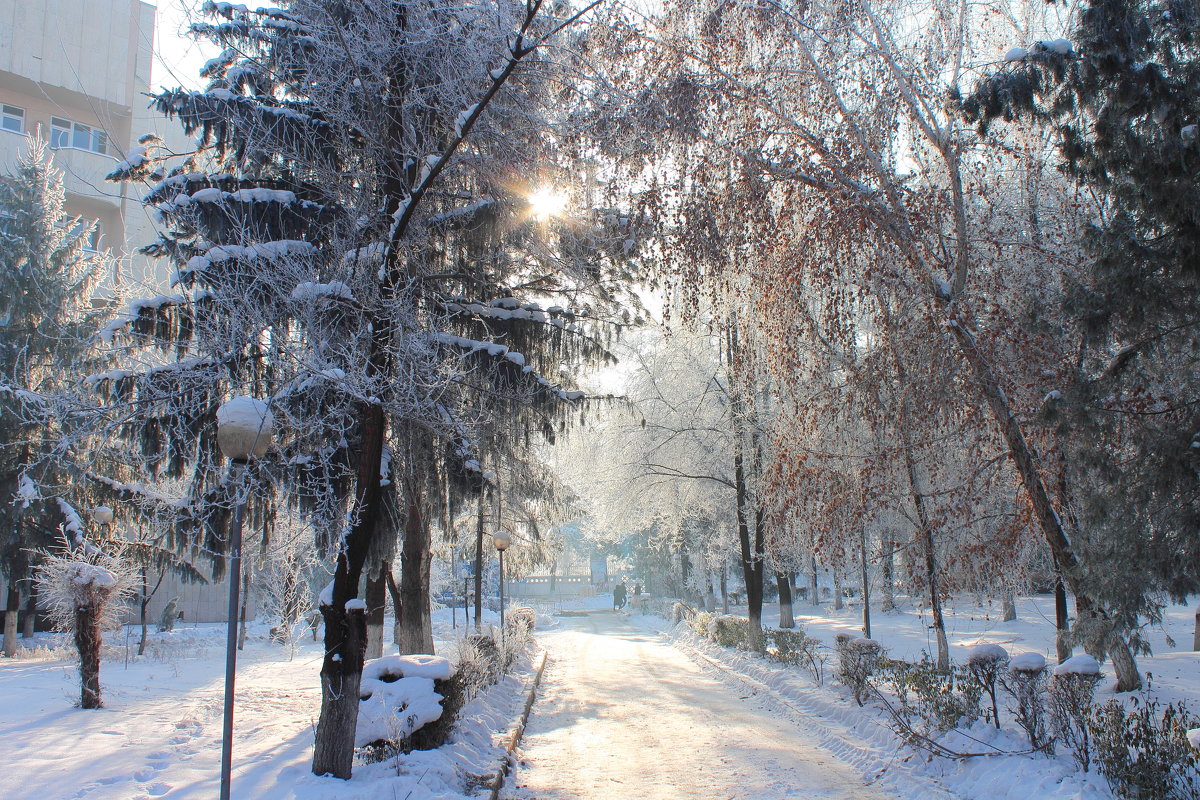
(244, 428)
(501, 540)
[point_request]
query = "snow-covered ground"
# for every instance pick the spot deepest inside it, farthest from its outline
(160, 732)
(622, 713)
(861, 737)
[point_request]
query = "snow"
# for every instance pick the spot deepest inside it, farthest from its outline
(1027, 662)
(417, 665)
(1016, 54)
(1060, 47)
(986, 654)
(244, 412)
(356, 604)
(325, 598)
(1078, 665)
(159, 735)
(1193, 737)
(82, 573)
(26, 490)
(310, 290)
(393, 710)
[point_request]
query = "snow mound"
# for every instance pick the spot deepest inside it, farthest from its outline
(987, 654)
(1027, 662)
(398, 697)
(1193, 737)
(1016, 54)
(410, 666)
(356, 604)
(1078, 665)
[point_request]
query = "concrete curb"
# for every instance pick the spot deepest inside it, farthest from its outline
(514, 737)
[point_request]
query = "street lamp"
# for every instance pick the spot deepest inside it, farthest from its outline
(501, 540)
(244, 428)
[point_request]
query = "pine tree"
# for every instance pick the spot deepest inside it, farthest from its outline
(46, 317)
(1123, 99)
(354, 245)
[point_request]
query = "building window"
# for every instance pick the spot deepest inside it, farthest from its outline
(12, 119)
(65, 133)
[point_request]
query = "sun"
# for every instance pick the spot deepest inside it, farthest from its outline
(547, 202)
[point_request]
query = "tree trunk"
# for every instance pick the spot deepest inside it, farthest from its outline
(866, 581)
(333, 750)
(814, 586)
(143, 611)
(838, 595)
(345, 630)
(87, 642)
(245, 600)
(377, 597)
(786, 620)
(1196, 633)
(685, 570)
(887, 550)
(1129, 679)
(925, 541)
(31, 613)
(394, 592)
(416, 632)
(479, 561)
(11, 604)
(724, 589)
(1062, 624)
(1009, 601)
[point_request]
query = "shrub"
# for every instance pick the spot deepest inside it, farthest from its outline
(857, 661)
(479, 664)
(1025, 680)
(522, 621)
(681, 612)
(986, 662)
(729, 631)
(792, 646)
(700, 622)
(1071, 691)
(1145, 753)
(940, 699)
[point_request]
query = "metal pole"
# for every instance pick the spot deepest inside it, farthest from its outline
(502, 602)
(235, 585)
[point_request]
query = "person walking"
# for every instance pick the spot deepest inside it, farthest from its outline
(619, 594)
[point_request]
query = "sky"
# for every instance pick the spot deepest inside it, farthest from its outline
(177, 59)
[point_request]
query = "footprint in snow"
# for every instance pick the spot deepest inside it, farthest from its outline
(158, 789)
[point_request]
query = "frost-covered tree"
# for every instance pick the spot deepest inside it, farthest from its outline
(46, 317)
(327, 238)
(1120, 96)
(82, 585)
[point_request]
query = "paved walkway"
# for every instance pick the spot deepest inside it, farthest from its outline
(623, 714)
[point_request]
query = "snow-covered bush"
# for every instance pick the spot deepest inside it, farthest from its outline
(399, 696)
(478, 664)
(1071, 691)
(857, 661)
(932, 700)
(681, 612)
(793, 646)
(986, 662)
(521, 621)
(729, 631)
(1025, 680)
(82, 588)
(1145, 752)
(700, 621)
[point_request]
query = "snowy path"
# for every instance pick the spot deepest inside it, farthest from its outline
(622, 713)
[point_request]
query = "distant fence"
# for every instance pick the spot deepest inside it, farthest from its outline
(550, 587)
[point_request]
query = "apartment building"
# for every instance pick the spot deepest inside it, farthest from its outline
(75, 73)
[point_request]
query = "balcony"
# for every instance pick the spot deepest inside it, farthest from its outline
(83, 171)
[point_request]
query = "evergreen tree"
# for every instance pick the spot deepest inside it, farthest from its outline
(1123, 99)
(354, 245)
(46, 316)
